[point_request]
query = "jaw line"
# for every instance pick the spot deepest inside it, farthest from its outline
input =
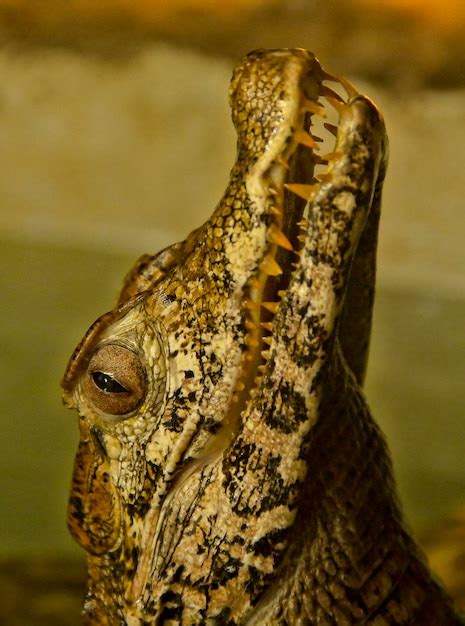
(264, 292)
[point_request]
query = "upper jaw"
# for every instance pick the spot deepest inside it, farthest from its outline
(297, 152)
(307, 141)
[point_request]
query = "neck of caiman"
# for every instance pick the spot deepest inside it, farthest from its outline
(351, 559)
(351, 495)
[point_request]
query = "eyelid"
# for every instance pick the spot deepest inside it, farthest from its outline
(121, 366)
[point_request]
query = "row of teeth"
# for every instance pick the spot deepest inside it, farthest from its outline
(276, 237)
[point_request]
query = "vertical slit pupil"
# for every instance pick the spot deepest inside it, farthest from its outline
(107, 383)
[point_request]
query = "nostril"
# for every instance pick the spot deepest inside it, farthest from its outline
(364, 110)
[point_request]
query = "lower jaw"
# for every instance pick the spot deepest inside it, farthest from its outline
(292, 181)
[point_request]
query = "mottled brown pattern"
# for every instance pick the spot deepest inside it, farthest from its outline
(229, 470)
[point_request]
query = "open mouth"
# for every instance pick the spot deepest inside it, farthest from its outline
(294, 178)
(298, 174)
(303, 169)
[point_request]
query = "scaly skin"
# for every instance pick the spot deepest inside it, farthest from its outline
(229, 471)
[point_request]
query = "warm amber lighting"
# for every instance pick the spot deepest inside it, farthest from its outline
(445, 15)
(149, 10)
(149, 7)
(442, 14)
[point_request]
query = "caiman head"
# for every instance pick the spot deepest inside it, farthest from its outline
(198, 394)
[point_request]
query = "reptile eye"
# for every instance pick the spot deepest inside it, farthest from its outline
(115, 381)
(105, 382)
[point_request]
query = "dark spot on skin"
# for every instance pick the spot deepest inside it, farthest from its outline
(174, 423)
(211, 425)
(153, 470)
(255, 583)
(267, 544)
(78, 509)
(277, 493)
(178, 574)
(238, 539)
(171, 613)
(235, 466)
(170, 596)
(222, 572)
(98, 440)
(132, 560)
(139, 507)
(179, 398)
(296, 411)
(222, 619)
(188, 374)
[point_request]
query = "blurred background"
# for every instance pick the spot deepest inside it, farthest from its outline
(117, 141)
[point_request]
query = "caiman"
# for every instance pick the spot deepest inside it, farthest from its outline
(229, 470)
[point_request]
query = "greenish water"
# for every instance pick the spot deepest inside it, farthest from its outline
(51, 295)
(416, 389)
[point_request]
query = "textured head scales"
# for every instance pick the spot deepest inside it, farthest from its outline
(201, 393)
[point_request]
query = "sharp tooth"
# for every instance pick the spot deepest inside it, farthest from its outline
(332, 156)
(303, 223)
(261, 368)
(270, 267)
(330, 77)
(313, 107)
(255, 283)
(267, 325)
(266, 354)
(327, 92)
(350, 89)
(301, 136)
(320, 160)
(270, 306)
(282, 162)
(303, 191)
(276, 210)
(331, 127)
(325, 178)
(251, 305)
(302, 238)
(250, 325)
(336, 104)
(275, 235)
(252, 342)
(281, 293)
(267, 340)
